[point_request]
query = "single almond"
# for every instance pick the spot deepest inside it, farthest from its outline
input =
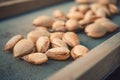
(59, 53)
(43, 44)
(75, 15)
(12, 42)
(58, 43)
(59, 26)
(95, 30)
(36, 58)
(55, 35)
(45, 21)
(113, 8)
(23, 47)
(72, 25)
(79, 51)
(71, 39)
(59, 15)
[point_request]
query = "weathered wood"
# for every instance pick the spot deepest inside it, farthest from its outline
(14, 7)
(100, 61)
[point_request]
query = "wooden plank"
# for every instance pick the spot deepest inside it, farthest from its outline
(100, 61)
(14, 7)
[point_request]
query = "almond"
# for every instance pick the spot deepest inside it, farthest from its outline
(75, 15)
(43, 44)
(58, 43)
(36, 58)
(23, 47)
(79, 51)
(72, 25)
(71, 39)
(45, 21)
(59, 26)
(55, 35)
(12, 42)
(95, 30)
(59, 53)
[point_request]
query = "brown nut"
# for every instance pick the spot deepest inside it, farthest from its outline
(79, 51)
(113, 8)
(59, 26)
(55, 35)
(108, 24)
(75, 15)
(23, 47)
(59, 15)
(36, 58)
(59, 53)
(35, 34)
(45, 21)
(12, 42)
(83, 8)
(58, 43)
(71, 39)
(72, 25)
(43, 44)
(95, 30)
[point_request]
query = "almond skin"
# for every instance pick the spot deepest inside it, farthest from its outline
(45, 21)
(43, 44)
(71, 39)
(35, 34)
(12, 42)
(59, 53)
(79, 51)
(23, 47)
(36, 58)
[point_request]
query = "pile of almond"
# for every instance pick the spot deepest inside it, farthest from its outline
(55, 38)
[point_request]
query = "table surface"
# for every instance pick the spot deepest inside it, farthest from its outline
(12, 69)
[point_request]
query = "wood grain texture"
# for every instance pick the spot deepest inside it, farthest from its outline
(14, 7)
(96, 65)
